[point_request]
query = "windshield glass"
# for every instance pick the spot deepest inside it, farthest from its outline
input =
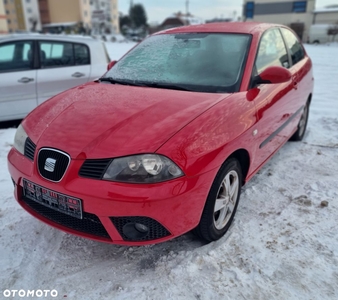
(195, 62)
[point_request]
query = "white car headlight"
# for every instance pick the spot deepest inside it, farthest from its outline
(146, 168)
(20, 139)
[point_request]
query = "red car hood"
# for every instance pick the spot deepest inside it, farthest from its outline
(104, 120)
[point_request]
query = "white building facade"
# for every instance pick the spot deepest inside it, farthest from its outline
(104, 16)
(31, 15)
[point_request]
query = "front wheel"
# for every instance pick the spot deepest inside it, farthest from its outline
(222, 202)
(299, 134)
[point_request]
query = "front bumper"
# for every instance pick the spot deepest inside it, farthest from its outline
(169, 209)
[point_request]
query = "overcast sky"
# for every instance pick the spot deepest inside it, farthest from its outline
(158, 10)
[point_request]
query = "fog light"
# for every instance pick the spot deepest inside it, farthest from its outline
(141, 228)
(135, 231)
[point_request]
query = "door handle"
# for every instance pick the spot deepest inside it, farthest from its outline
(295, 82)
(78, 75)
(25, 80)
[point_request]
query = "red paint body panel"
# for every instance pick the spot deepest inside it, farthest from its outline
(197, 131)
(106, 199)
(115, 120)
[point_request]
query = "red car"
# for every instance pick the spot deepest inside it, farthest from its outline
(164, 141)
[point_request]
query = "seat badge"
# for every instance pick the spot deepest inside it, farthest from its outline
(50, 164)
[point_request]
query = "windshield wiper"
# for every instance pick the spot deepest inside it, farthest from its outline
(170, 86)
(160, 85)
(119, 81)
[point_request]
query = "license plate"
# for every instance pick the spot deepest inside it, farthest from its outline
(65, 204)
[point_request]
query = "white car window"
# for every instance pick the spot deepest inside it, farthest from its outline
(56, 54)
(16, 56)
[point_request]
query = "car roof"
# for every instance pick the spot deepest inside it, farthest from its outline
(55, 37)
(224, 27)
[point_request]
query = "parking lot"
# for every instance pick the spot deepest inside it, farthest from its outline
(282, 245)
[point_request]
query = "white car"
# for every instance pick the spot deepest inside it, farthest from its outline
(33, 68)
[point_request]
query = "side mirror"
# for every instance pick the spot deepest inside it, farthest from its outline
(273, 75)
(111, 64)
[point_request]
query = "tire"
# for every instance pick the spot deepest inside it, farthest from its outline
(217, 215)
(301, 128)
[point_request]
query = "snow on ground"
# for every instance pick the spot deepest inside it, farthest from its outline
(282, 245)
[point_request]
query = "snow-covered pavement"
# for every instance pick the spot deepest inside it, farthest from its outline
(283, 244)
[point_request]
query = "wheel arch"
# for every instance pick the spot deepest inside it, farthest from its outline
(242, 155)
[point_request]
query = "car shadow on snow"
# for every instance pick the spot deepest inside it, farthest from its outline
(141, 257)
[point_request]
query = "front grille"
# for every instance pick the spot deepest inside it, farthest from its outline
(30, 148)
(94, 168)
(156, 230)
(60, 160)
(90, 223)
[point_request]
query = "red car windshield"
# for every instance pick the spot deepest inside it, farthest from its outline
(211, 62)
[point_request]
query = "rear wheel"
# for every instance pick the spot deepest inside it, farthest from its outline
(222, 202)
(299, 134)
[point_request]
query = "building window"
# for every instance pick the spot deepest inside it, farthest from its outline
(29, 10)
(85, 13)
(249, 11)
(299, 6)
(28, 1)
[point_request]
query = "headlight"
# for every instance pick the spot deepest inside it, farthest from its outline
(147, 168)
(20, 139)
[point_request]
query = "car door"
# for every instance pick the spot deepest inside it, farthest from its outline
(300, 66)
(17, 79)
(63, 65)
(273, 100)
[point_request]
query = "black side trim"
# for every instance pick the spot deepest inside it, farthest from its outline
(280, 128)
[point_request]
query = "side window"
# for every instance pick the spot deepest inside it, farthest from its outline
(271, 51)
(17, 56)
(81, 54)
(56, 54)
(294, 46)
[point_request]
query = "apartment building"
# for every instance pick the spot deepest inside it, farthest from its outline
(22, 15)
(296, 14)
(101, 16)
(3, 19)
